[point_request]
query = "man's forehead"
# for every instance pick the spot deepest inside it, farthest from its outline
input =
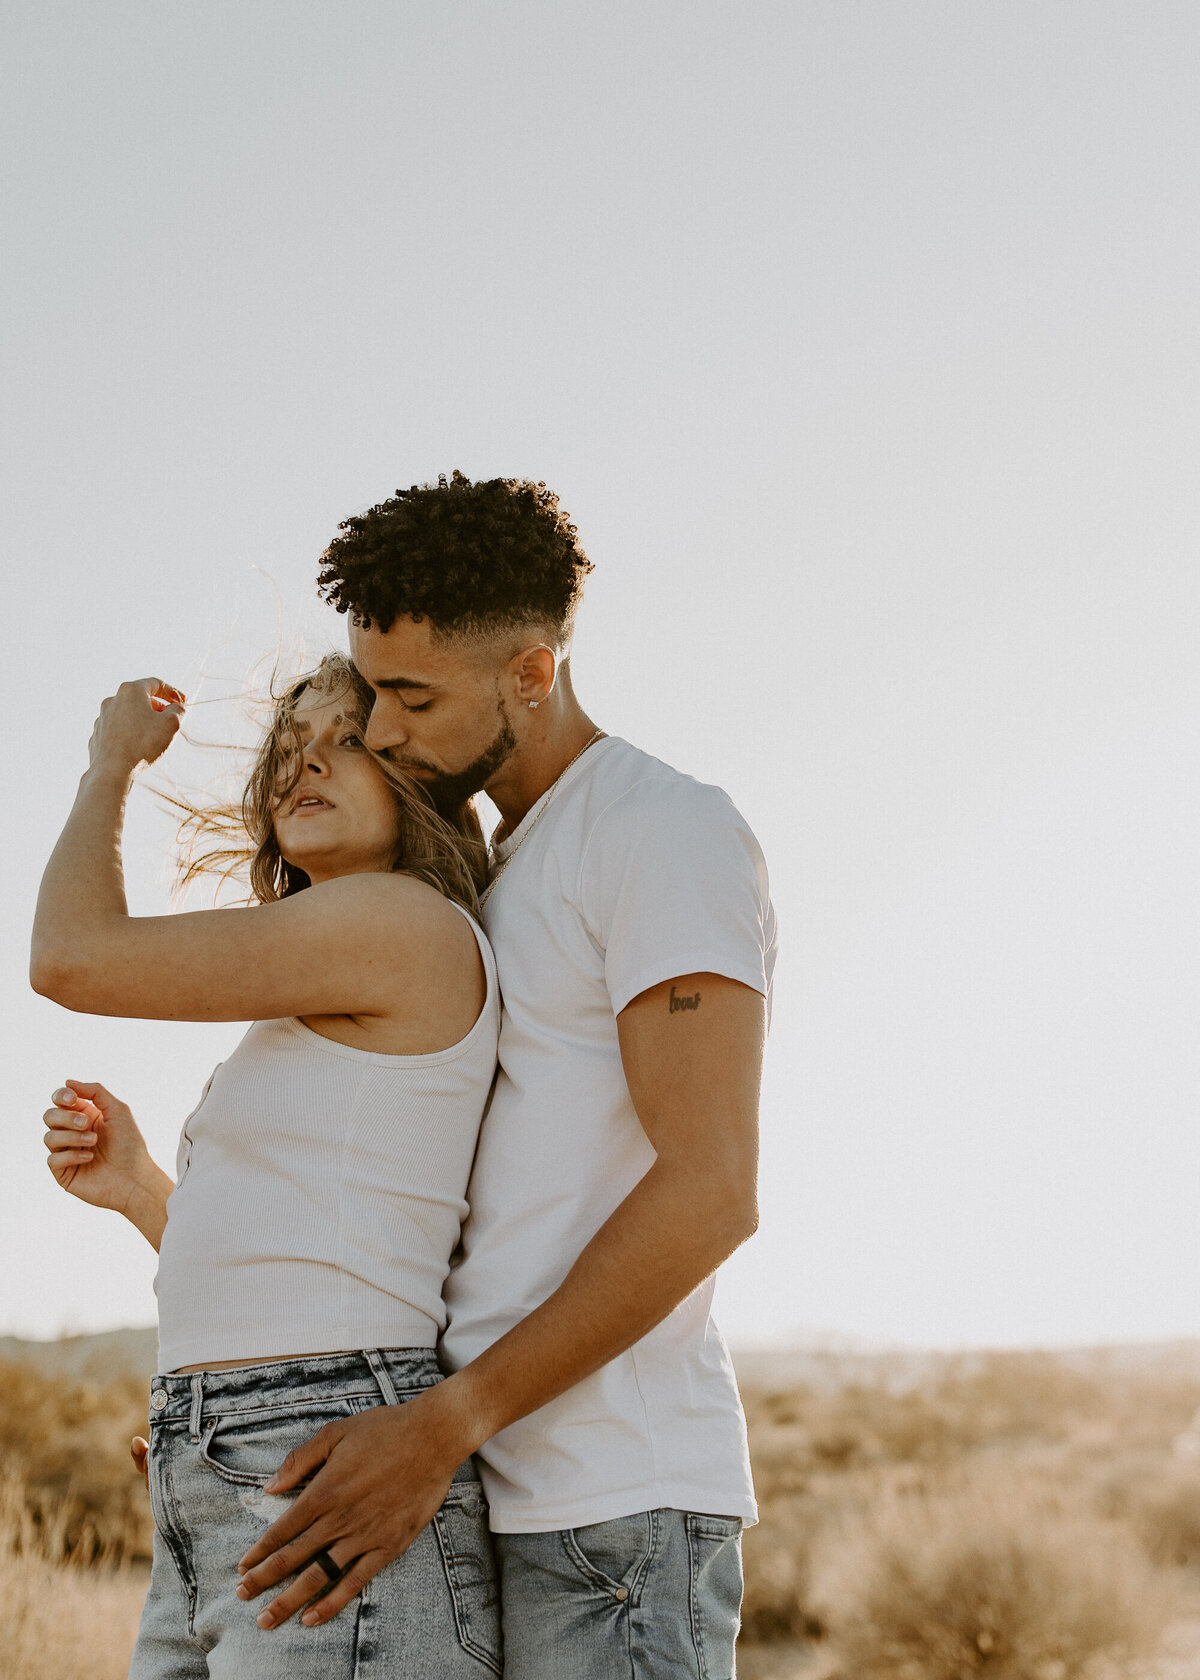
(406, 656)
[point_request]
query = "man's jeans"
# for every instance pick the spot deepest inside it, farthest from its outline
(654, 1596)
(216, 1437)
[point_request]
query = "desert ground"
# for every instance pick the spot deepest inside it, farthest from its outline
(1014, 1516)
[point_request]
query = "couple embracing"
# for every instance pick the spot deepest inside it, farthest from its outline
(440, 1392)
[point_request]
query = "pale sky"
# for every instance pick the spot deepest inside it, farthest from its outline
(861, 342)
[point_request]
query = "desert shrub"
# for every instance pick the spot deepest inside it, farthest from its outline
(1167, 1517)
(66, 1442)
(1092, 1432)
(1160, 1501)
(988, 1580)
(778, 1557)
(965, 1402)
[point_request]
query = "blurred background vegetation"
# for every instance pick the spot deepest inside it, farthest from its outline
(1016, 1516)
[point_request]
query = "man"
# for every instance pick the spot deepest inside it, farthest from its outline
(635, 940)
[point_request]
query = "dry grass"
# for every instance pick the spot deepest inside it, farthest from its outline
(60, 1619)
(75, 1526)
(66, 1440)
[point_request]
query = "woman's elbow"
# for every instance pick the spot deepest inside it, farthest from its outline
(57, 975)
(743, 1218)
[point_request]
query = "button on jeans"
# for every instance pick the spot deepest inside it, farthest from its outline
(215, 1438)
(654, 1596)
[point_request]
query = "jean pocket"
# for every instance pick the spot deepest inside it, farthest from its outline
(247, 1448)
(612, 1554)
(715, 1589)
(463, 1538)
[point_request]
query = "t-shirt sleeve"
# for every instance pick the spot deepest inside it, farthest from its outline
(673, 882)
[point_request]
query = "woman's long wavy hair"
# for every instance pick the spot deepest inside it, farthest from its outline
(238, 839)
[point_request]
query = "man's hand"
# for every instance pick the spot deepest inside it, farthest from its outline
(379, 1478)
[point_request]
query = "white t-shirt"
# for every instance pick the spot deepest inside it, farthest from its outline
(633, 874)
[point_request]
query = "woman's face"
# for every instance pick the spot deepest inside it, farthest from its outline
(342, 817)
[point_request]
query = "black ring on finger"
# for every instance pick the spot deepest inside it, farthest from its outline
(323, 1560)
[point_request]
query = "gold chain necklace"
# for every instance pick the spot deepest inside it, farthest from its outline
(546, 798)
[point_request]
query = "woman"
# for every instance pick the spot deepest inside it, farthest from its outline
(320, 1181)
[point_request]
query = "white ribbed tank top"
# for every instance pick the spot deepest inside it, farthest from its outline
(319, 1194)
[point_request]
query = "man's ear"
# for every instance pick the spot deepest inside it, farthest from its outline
(534, 671)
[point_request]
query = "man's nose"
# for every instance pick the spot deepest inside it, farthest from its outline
(384, 732)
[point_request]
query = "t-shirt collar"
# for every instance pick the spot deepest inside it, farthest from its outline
(503, 848)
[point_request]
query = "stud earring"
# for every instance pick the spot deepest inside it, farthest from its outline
(534, 704)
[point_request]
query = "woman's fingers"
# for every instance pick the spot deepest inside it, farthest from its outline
(71, 1106)
(61, 1158)
(163, 695)
(58, 1140)
(101, 1098)
(154, 688)
(70, 1136)
(78, 1120)
(96, 1101)
(137, 723)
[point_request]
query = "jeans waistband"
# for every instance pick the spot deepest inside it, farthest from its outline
(384, 1373)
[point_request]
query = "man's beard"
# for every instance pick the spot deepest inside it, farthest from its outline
(450, 789)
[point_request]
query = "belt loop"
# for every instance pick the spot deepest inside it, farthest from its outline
(197, 1402)
(379, 1371)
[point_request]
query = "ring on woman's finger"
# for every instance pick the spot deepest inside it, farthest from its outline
(323, 1560)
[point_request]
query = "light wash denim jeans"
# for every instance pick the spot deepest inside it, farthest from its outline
(656, 1596)
(216, 1437)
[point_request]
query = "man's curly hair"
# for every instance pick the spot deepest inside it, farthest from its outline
(473, 558)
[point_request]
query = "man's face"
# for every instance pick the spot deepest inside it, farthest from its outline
(439, 710)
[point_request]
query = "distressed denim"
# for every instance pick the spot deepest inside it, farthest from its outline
(215, 1439)
(655, 1596)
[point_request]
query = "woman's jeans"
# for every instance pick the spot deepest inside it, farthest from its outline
(216, 1437)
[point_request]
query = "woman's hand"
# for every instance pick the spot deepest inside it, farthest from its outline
(96, 1150)
(97, 1153)
(136, 725)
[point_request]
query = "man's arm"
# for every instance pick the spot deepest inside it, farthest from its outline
(693, 1074)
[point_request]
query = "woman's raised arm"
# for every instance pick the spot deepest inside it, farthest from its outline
(371, 944)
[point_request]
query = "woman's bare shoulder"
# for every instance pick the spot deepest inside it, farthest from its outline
(417, 968)
(401, 914)
(393, 893)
